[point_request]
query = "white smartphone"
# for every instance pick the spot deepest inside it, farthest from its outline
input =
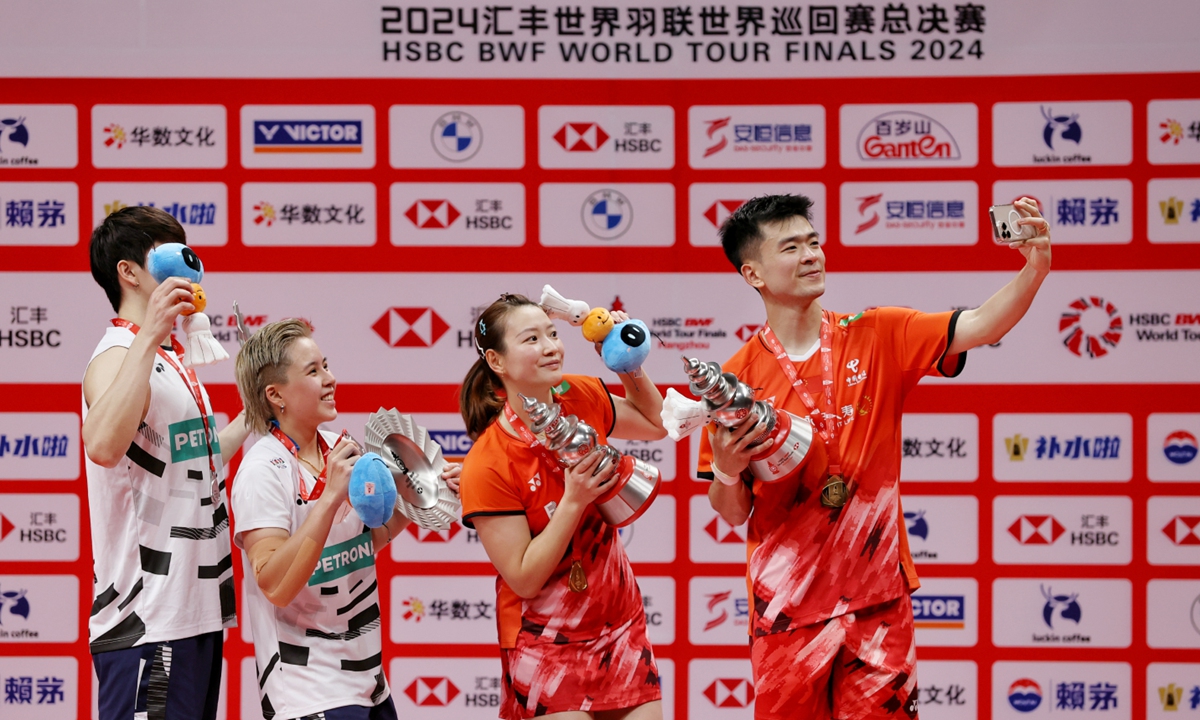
(1005, 226)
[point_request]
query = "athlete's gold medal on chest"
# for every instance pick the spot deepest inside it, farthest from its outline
(835, 493)
(577, 580)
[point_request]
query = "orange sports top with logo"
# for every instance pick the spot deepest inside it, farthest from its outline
(502, 475)
(806, 562)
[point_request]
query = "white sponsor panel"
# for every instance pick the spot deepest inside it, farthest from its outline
(1173, 212)
(909, 135)
(756, 136)
(40, 688)
(308, 214)
(709, 204)
(433, 688)
(1173, 132)
(455, 544)
(658, 598)
(457, 136)
(308, 136)
(458, 214)
(39, 527)
(1061, 612)
(942, 529)
(1022, 689)
(1062, 530)
(39, 136)
(606, 136)
(720, 690)
(39, 446)
(1073, 447)
(909, 213)
(946, 612)
(710, 538)
(1170, 688)
(39, 608)
(38, 213)
(949, 690)
(666, 681)
(706, 315)
(444, 609)
(1173, 614)
(651, 538)
(1038, 134)
(201, 208)
(159, 136)
(1081, 212)
(940, 447)
(1171, 447)
(1173, 530)
(607, 214)
(719, 611)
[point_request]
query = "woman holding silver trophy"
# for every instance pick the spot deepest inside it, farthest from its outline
(313, 605)
(572, 626)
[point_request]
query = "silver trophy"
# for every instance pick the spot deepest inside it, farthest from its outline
(635, 484)
(730, 402)
(416, 463)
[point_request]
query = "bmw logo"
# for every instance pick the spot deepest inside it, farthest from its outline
(607, 214)
(457, 136)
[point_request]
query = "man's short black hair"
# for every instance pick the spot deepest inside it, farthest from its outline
(128, 234)
(742, 231)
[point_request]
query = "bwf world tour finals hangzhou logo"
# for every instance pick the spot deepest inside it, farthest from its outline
(1093, 326)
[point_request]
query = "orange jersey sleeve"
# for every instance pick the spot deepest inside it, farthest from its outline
(919, 342)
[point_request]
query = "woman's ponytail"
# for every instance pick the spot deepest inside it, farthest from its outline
(479, 399)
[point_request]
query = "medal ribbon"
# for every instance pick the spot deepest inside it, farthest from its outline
(822, 422)
(188, 375)
(319, 485)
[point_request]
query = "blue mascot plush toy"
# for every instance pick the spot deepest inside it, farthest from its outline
(178, 260)
(626, 346)
(372, 490)
(623, 346)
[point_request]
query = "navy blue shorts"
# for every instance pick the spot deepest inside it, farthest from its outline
(170, 680)
(385, 710)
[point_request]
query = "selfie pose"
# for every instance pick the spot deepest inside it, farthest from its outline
(828, 560)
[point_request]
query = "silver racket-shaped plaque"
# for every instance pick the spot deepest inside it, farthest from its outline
(416, 463)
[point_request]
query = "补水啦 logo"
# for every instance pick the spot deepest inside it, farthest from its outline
(906, 135)
(457, 136)
(410, 327)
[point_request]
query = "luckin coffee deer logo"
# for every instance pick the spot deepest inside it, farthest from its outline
(1065, 127)
(1065, 607)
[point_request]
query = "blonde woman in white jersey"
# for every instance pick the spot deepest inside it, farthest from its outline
(160, 530)
(310, 562)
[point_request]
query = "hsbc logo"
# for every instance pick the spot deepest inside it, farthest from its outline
(423, 535)
(410, 327)
(1036, 530)
(432, 691)
(432, 213)
(730, 692)
(745, 332)
(720, 210)
(1182, 530)
(723, 532)
(581, 137)
(6, 527)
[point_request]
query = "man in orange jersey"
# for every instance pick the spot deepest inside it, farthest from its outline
(828, 566)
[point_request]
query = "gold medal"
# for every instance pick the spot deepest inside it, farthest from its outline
(835, 493)
(577, 580)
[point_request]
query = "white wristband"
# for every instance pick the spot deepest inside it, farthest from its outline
(726, 479)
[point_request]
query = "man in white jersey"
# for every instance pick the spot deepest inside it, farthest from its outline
(160, 529)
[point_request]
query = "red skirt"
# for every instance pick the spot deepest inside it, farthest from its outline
(611, 672)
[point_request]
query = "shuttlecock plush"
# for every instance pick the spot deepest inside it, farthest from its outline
(557, 306)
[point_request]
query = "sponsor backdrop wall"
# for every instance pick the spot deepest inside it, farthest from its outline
(386, 170)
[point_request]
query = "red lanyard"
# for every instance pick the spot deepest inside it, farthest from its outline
(319, 485)
(530, 439)
(821, 421)
(188, 376)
